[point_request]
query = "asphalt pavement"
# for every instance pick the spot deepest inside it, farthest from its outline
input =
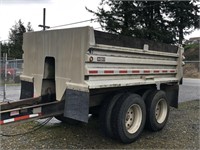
(190, 90)
(12, 92)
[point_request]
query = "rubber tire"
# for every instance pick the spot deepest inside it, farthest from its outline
(146, 94)
(151, 101)
(119, 114)
(105, 115)
(67, 120)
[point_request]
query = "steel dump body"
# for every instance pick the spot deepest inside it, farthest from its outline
(83, 62)
(71, 73)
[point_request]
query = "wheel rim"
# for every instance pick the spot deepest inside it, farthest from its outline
(161, 110)
(133, 118)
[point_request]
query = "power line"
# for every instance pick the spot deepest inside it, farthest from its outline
(97, 18)
(74, 23)
(35, 128)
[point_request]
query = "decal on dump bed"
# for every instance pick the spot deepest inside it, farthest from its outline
(101, 59)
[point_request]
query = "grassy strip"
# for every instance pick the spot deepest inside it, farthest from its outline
(11, 84)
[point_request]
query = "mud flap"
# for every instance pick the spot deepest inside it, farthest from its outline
(172, 92)
(27, 90)
(76, 105)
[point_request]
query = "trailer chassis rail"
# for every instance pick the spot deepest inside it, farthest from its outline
(29, 109)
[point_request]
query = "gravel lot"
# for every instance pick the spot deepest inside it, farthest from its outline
(181, 132)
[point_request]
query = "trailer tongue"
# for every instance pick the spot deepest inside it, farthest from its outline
(29, 109)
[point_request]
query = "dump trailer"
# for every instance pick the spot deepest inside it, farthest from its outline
(128, 83)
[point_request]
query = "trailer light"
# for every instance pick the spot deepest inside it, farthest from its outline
(91, 59)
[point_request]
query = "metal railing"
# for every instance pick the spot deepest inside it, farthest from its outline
(196, 63)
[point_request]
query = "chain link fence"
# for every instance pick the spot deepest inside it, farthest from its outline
(10, 70)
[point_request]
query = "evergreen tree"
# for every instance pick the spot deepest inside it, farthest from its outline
(16, 39)
(14, 45)
(183, 17)
(162, 21)
(4, 48)
(152, 24)
(119, 19)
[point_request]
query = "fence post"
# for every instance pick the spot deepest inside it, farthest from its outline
(5, 75)
(1, 61)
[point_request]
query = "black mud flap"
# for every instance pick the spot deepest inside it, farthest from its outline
(77, 105)
(27, 90)
(172, 92)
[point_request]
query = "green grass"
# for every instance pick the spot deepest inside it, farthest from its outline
(10, 84)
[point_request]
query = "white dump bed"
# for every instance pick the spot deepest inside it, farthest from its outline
(111, 66)
(83, 62)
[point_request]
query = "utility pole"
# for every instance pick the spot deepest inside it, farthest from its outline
(44, 19)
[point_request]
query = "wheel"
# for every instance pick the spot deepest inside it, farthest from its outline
(105, 115)
(146, 94)
(128, 118)
(67, 120)
(157, 108)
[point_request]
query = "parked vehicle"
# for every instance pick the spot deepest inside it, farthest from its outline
(11, 73)
(130, 83)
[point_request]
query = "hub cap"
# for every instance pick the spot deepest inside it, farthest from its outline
(161, 111)
(133, 118)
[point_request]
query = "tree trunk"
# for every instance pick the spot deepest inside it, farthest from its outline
(181, 31)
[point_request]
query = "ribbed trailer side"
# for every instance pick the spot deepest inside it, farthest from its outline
(111, 66)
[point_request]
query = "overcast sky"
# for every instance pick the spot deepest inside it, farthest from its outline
(58, 12)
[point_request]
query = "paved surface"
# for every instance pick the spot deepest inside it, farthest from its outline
(12, 92)
(190, 90)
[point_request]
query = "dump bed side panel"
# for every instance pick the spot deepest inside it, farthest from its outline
(67, 47)
(111, 66)
(117, 61)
